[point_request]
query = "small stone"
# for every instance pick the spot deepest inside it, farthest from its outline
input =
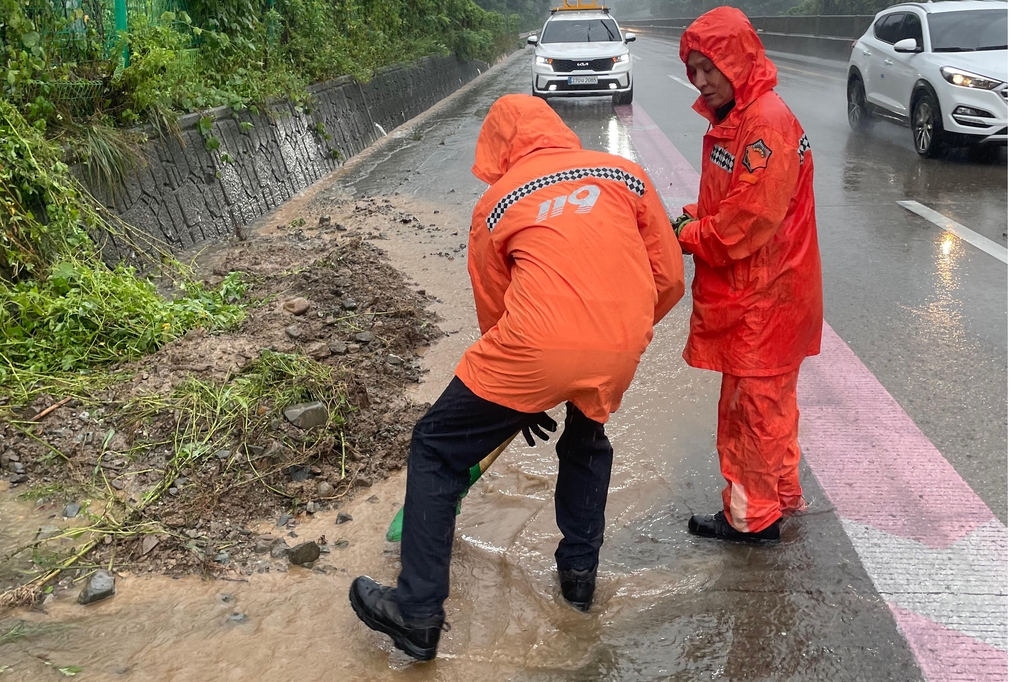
(222, 454)
(298, 474)
(361, 482)
(297, 306)
(343, 518)
(283, 519)
(227, 598)
(305, 553)
(307, 415)
(148, 543)
(238, 618)
(373, 499)
(312, 507)
(337, 347)
(325, 221)
(349, 304)
(71, 511)
(100, 586)
(354, 348)
(16, 468)
(394, 359)
(172, 491)
(179, 483)
(294, 331)
(364, 337)
(17, 478)
(254, 450)
(222, 557)
(117, 485)
(262, 547)
(341, 544)
(319, 350)
(279, 549)
(325, 490)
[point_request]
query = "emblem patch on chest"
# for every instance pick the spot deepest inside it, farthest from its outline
(756, 156)
(722, 158)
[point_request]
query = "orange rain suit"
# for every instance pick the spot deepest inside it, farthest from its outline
(572, 260)
(757, 299)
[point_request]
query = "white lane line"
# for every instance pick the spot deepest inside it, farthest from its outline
(636, 57)
(685, 82)
(949, 225)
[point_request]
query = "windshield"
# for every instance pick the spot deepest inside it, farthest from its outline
(580, 31)
(981, 29)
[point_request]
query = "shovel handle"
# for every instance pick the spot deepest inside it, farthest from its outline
(395, 529)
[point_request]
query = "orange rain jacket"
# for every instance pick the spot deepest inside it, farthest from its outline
(572, 260)
(757, 301)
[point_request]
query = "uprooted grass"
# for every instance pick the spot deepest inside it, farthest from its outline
(186, 431)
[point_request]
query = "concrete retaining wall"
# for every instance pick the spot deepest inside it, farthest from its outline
(187, 193)
(821, 36)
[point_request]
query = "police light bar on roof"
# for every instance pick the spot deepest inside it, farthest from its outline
(580, 5)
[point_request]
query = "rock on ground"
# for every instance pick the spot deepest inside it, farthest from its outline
(100, 586)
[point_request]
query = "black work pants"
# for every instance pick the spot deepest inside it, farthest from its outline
(455, 434)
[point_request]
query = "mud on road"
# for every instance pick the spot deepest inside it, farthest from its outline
(156, 484)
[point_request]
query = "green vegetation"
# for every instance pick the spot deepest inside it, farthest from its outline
(62, 310)
(61, 62)
(753, 8)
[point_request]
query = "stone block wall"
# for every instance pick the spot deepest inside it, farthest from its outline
(185, 193)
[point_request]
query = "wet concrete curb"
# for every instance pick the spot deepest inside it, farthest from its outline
(227, 168)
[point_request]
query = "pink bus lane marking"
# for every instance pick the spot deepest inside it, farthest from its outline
(932, 548)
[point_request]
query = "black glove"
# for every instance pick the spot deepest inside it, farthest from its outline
(679, 223)
(543, 423)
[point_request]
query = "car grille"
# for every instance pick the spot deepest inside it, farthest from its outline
(565, 65)
(1005, 92)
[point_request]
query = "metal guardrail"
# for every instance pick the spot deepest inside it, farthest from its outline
(849, 26)
(828, 36)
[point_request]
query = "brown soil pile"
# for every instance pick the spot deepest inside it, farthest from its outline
(324, 294)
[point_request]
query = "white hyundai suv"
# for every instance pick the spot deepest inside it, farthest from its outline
(939, 66)
(582, 52)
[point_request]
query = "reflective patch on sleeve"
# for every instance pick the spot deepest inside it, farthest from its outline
(723, 159)
(805, 146)
(632, 183)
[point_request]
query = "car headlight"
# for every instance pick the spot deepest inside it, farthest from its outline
(621, 59)
(542, 61)
(966, 79)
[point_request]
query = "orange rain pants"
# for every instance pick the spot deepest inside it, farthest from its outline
(758, 450)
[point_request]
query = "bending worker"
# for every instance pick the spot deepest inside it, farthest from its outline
(573, 261)
(757, 301)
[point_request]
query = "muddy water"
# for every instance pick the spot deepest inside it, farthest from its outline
(667, 606)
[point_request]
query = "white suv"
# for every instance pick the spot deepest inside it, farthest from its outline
(582, 52)
(939, 66)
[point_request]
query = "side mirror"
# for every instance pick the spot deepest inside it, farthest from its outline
(629, 37)
(532, 40)
(907, 45)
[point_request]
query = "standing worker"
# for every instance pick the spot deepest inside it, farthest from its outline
(572, 261)
(757, 300)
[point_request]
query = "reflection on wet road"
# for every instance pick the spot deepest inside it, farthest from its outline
(923, 311)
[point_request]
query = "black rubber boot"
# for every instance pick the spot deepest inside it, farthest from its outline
(416, 637)
(708, 526)
(578, 586)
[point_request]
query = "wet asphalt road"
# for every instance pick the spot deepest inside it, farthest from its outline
(928, 321)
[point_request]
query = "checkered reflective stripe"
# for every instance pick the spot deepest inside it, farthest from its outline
(722, 158)
(633, 183)
(804, 146)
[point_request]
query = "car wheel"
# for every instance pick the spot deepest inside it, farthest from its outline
(857, 105)
(926, 123)
(623, 97)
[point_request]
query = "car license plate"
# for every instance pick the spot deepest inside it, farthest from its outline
(582, 80)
